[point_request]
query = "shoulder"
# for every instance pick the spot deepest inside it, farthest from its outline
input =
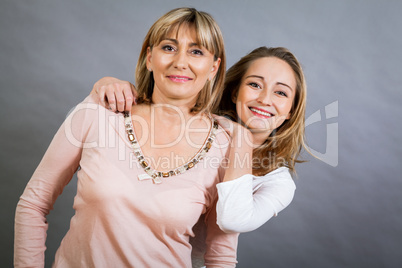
(88, 116)
(90, 109)
(222, 138)
(91, 102)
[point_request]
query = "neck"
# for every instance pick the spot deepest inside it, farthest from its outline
(259, 138)
(166, 115)
(168, 106)
(169, 114)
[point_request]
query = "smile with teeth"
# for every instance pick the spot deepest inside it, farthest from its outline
(179, 78)
(260, 112)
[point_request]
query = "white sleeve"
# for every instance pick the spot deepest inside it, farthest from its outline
(243, 207)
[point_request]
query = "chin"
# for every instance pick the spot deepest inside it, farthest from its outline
(259, 128)
(259, 124)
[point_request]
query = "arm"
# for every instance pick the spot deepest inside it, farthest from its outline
(239, 160)
(220, 247)
(115, 94)
(244, 207)
(54, 172)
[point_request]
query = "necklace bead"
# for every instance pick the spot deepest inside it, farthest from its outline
(157, 175)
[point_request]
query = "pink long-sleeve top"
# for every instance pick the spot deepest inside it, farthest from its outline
(119, 221)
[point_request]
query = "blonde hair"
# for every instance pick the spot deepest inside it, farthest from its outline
(208, 35)
(283, 146)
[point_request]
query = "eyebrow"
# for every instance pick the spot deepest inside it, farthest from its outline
(262, 78)
(177, 42)
(283, 84)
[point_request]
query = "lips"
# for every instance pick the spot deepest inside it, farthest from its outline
(179, 78)
(260, 112)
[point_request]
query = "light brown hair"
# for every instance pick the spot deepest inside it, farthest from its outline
(283, 146)
(208, 35)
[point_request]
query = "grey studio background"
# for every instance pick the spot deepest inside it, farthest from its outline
(347, 211)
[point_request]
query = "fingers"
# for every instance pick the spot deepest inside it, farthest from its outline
(114, 94)
(128, 97)
(120, 102)
(119, 96)
(111, 98)
(124, 96)
(105, 94)
(99, 91)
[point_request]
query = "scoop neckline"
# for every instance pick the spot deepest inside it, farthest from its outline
(156, 175)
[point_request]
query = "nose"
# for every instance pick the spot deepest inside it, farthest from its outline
(265, 97)
(180, 60)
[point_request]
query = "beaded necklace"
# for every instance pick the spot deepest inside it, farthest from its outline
(157, 175)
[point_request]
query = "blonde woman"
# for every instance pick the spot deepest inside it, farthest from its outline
(137, 198)
(266, 92)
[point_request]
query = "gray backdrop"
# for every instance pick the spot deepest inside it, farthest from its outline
(347, 208)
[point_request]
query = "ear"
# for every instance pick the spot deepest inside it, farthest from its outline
(288, 116)
(149, 57)
(234, 96)
(215, 68)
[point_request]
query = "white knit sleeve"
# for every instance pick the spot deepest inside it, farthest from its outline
(248, 202)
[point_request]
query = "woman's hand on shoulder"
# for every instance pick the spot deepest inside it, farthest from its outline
(115, 94)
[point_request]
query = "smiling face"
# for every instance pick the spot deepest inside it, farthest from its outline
(266, 94)
(180, 67)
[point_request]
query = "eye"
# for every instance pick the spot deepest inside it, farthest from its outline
(254, 85)
(197, 52)
(281, 93)
(168, 48)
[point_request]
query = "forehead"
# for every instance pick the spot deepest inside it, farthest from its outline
(202, 36)
(272, 68)
(183, 30)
